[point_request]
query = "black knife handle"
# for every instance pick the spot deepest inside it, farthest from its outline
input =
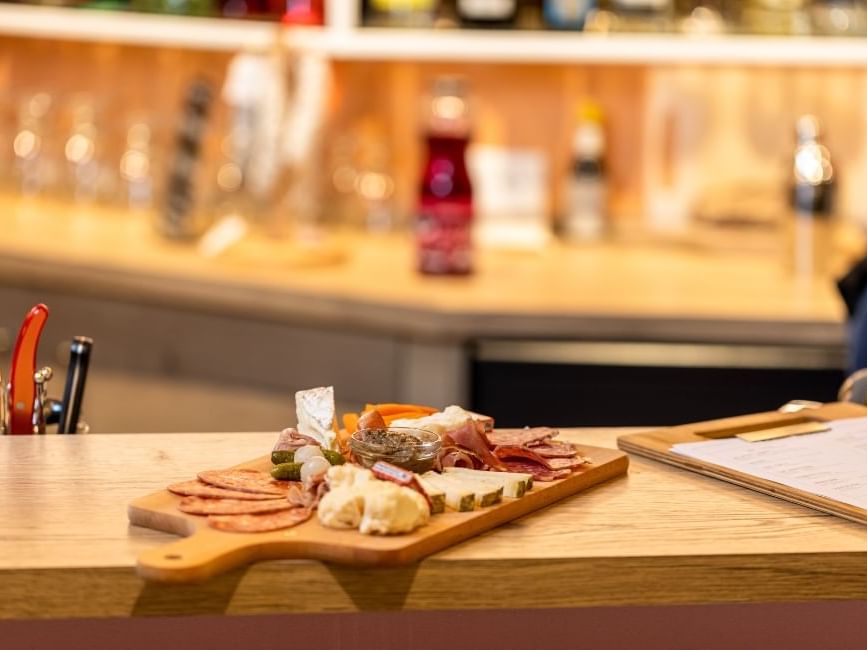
(76, 376)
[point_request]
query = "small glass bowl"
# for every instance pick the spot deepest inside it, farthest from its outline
(412, 449)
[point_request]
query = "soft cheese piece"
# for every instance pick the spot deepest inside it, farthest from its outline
(358, 499)
(451, 417)
(348, 475)
(315, 411)
(391, 509)
(341, 507)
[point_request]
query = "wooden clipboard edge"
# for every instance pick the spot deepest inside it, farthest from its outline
(656, 445)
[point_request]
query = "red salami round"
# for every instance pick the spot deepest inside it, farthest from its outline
(244, 480)
(199, 506)
(198, 488)
(539, 472)
(260, 523)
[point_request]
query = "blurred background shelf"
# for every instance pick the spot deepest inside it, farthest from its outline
(89, 25)
(540, 47)
(394, 44)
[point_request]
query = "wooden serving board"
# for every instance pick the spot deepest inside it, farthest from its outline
(205, 552)
(657, 445)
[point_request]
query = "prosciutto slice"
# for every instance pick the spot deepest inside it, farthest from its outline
(520, 437)
(469, 437)
(290, 440)
(457, 457)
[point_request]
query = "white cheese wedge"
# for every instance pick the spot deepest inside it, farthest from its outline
(527, 479)
(486, 494)
(457, 497)
(513, 486)
(315, 411)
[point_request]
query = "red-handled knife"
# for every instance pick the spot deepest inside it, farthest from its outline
(22, 387)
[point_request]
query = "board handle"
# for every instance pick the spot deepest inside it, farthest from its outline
(203, 554)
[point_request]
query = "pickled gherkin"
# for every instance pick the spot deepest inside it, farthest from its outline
(333, 457)
(287, 472)
(282, 456)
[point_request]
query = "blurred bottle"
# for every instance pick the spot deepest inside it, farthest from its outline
(177, 7)
(487, 13)
(775, 17)
(812, 197)
(444, 228)
(567, 14)
(838, 18)
(36, 169)
(179, 218)
(401, 13)
(585, 217)
(643, 15)
(136, 165)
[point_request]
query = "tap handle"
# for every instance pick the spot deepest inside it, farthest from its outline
(76, 376)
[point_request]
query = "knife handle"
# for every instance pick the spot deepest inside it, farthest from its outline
(76, 376)
(21, 393)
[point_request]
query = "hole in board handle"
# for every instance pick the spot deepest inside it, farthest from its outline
(172, 556)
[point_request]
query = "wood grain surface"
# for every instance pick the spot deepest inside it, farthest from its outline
(625, 291)
(206, 552)
(660, 535)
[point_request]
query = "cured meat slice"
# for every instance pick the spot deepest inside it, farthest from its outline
(553, 449)
(244, 480)
(260, 523)
(200, 506)
(290, 440)
(539, 472)
(519, 437)
(524, 453)
(456, 457)
(565, 463)
(469, 437)
(307, 497)
(198, 488)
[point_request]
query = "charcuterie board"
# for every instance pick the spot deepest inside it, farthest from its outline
(205, 552)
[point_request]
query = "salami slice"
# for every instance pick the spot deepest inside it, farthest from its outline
(200, 506)
(539, 472)
(245, 480)
(198, 488)
(565, 463)
(522, 453)
(519, 437)
(553, 449)
(260, 523)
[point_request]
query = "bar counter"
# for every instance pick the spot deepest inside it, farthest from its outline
(659, 536)
(633, 291)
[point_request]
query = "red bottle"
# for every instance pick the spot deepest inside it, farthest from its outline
(444, 227)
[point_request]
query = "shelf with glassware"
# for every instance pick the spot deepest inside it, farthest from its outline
(353, 35)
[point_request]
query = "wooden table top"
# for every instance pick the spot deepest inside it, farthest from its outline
(628, 291)
(658, 536)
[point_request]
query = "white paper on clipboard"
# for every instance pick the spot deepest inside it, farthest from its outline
(832, 464)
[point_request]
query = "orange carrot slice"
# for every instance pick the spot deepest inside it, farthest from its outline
(391, 408)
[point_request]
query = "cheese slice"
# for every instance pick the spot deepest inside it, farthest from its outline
(458, 497)
(486, 494)
(314, 409)
(514, 486)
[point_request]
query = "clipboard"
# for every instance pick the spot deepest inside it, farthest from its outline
(657, 444)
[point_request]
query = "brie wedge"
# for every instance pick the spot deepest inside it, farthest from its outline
(315, 411)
